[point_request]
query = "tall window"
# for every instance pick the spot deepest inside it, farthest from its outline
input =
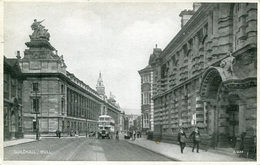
(6, 86)
(62, 106)
(35, 105)
(146, 98)
(19, 90)
(13, 87)
(146, 78)
(68, 102)
(62, 89)
(6, 119)
(35, 86)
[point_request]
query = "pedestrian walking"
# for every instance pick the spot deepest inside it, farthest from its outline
(134, 132)
(182, 139)
(196, 139)
(117, 136)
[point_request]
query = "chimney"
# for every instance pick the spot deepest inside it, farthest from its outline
(18, 55)
(196, 6)
(187, 14)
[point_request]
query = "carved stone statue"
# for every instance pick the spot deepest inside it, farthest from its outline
(227, 65)
(37, 25)
(39, 31)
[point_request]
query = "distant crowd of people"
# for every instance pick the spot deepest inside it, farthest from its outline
(132, 134)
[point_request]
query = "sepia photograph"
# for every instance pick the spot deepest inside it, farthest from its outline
(141, 81)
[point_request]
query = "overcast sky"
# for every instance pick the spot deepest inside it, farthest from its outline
(115, 39)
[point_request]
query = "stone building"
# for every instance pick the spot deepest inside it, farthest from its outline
(12, 109)
(53, 98)
(130, 118)
(138, 123)
(207, 77)
(147, 105)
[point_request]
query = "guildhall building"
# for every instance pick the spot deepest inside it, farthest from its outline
(206, 77)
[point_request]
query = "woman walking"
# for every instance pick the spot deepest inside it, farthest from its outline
(182, 139)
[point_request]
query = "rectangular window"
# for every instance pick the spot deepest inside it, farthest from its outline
(6, 116)
(68, 102)
(146, 78)
(146, 98)
(19, 90)
(6, 86)
(13, 87)
(35, 86)
(62, 106)
(36, 105)
(149, 98)
(62, 89)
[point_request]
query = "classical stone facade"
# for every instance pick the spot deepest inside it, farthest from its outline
(207, 77)
(53, 98)
(12, 109)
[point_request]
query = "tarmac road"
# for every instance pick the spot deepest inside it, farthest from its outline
(80, 149)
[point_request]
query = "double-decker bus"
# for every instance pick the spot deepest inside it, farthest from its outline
(106, 126)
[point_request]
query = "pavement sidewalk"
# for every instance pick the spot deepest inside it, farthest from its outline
(32, 138)
(17, 141)
(173, 151)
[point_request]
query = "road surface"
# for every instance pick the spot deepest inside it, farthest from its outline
(80, 149)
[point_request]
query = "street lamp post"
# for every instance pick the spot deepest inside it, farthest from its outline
(37, 120)
(37, 127)
(36, 112)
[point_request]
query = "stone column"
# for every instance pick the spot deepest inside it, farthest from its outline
(199, 110)
(13, 126)
(223, 132)
(242, 122)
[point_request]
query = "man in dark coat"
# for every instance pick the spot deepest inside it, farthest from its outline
(196, 139)
(182, 139)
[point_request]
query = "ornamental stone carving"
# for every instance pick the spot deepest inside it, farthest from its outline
(39, 31)
(227, 66)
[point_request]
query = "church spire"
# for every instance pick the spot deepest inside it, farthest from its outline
(100, 86)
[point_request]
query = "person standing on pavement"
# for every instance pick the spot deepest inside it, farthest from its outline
(133, 136)
(196, 139)
(182, 139)
(117, 136)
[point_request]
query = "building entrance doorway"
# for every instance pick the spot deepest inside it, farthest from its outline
(233, 123)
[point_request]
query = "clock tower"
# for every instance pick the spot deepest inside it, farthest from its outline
(100, 86)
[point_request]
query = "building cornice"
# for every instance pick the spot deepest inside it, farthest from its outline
(185, 31)
(63, 77)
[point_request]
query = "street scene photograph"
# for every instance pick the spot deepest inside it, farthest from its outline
(129, 82)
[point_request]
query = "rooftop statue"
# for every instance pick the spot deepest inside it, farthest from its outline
(39, 31)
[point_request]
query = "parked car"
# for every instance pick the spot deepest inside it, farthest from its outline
(127, 135)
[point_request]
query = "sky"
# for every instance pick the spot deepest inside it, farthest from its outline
(113, 38)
